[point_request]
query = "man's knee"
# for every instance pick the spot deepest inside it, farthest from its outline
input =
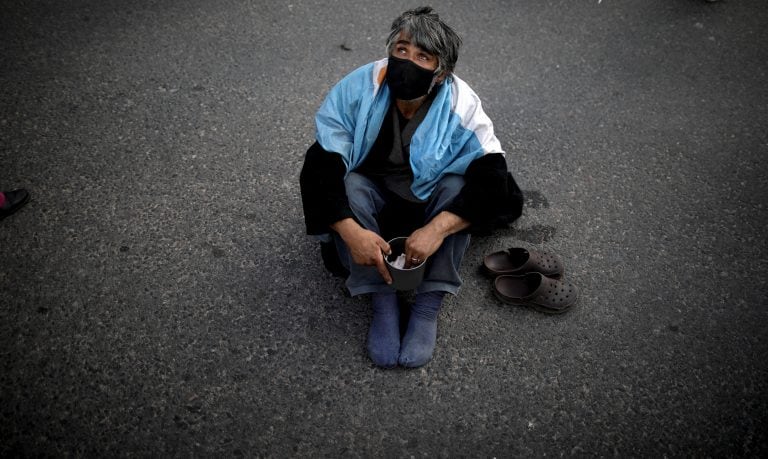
(363, 196)
(449, 186)
(360, 190)
(356, 183)
(446, 191)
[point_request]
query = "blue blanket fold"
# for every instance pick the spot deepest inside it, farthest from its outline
(455, 131)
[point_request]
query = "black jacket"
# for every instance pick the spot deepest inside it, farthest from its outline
(490, 198)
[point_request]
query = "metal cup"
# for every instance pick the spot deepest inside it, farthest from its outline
(403, 279)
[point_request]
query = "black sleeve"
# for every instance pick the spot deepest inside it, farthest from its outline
(490, 197)
(323, 194)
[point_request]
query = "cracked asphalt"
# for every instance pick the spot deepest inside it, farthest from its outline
(158, 295)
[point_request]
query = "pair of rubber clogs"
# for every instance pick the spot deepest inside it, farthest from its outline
(530, 278)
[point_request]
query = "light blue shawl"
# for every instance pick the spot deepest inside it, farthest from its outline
(454, 132)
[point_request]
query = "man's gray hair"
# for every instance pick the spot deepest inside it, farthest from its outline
(429, 33)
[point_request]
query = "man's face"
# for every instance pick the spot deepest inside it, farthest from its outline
(404, 49)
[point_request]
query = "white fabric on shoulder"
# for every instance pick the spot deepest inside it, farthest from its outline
(469, 108)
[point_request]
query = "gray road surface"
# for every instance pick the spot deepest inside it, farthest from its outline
(158, 295)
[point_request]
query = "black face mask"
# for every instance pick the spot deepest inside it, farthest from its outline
(406, 80)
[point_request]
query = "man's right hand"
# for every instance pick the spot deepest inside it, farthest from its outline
(366, 247)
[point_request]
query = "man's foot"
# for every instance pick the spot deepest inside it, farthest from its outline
(384, 334)
(419, 341)
(14, 200)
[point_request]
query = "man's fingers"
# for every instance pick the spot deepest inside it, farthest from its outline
(411, 261)
(383, 270)
(384, 246)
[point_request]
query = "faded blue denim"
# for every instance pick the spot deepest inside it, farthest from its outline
(442, 272)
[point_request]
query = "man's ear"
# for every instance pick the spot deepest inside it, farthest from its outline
(440, 78)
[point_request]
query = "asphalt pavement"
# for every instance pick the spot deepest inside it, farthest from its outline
(158, 295)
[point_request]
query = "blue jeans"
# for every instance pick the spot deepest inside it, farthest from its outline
(366, 200)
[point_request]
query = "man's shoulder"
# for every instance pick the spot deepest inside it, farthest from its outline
(370, 74)
(462, 95)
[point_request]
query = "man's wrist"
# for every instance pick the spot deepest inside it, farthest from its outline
(446, 223)
(345, 227)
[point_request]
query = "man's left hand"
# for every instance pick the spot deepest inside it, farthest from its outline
(421, 244)
(425, 241)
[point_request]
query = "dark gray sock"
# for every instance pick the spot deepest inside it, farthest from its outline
(419, 340)
(384, 334)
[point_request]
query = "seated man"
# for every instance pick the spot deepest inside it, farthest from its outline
(403, 143)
